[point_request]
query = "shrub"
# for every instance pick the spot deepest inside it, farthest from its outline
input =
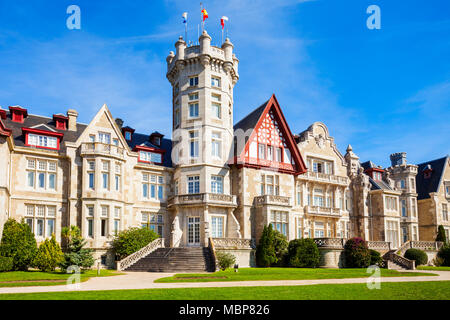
(280, 245)
(18, 242)
(356, 253)
(265, 251)
(6, 264)
(375, 258)
(49, 255)
(75, 254)
(444, 254)
(441, 234)
(225, 260)
(418, 255)
(303, 253)
(437, 262)
(129, 241)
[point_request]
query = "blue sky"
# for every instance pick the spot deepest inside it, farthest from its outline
(382, 91)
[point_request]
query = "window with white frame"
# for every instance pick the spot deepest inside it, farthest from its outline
(42, 141)
(153, 221)
(104, 137)
(402, 184)
(41, 174)
(217, 184)
(193, 143)
(444, 212)
(321, 166)
(193, 81)
(270, 185)
(299, 228)
(319, 197)
(299, 195)
(90, 221)
(104, 218)
(177, 117)
(447, 191)
(216, 110)
(413, 207)
(261, 151)
(319, 229)
(148, 156)
(216, 144)
(279, 221)
(118, 176)
(217, 226)
(193, 184)
(41, 219)
(117, 215)
(91, 173)
(105, 174)
(152, 186)
(193, 96)
(390, 203)
(193, 110)
(412, 184)
(404, 209)
(215, 82)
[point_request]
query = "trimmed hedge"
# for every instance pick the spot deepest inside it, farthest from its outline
(375, 258)
(6, 264)
(303, 253)
(444, 254)
(132, 240)
(418, 255)
(356, 253)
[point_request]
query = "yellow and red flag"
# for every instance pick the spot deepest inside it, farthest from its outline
(205, 14)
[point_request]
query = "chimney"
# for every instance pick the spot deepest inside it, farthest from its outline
(73, 115)
(398, 159)
(119, 123)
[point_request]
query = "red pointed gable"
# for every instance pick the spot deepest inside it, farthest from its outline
(271, 143)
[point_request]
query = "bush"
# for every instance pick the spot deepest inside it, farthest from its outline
(49, 255)
(418, 255)
(18, 242)
(75, 254)
(356, 253)
(441, 234)
(265, 251)
(226, 260)
(375, 258)
(129, 241)
(444, 254)
(303, 253)
(6, 264)
(437, 262)
(280, 245)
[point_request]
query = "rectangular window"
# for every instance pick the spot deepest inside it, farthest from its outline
(51, 181)
(104, 138)
(278, 154)
(90, 228)
(147, 156)
(217, 227)
(41, 174)
(42, 141)
(279, 221)
(160, 192)
(444, 212)
(215, 82)
(40, 228)
(270, 153)
(216, 110)
(404, 212)
(104, 227)
(193, 144)
(31, 179)
(117, 178)
(193, 96)
(91, 180)
(90, 211)
(319, 231)
(105, 179)
(217, 184)
(193, 184)
(193, 81)
(216, 144)
(261, 151)
(50, 227)
(193, 110)
(402, 184)
(41, 180)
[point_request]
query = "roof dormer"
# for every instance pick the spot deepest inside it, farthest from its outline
(128, 133)
(2, 114)
(156, 138)
(427, 171)
(60, 121)
(18, 114)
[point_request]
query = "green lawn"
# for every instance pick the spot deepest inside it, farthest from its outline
(38, 278)
(433, 290)
(249, 274)
(433, 268)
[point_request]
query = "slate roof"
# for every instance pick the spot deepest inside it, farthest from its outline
(38, 122)
(368, 164)
(143, 139)
(425, 186)
(379, 184)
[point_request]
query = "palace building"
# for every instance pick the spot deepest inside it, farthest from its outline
(214, 182)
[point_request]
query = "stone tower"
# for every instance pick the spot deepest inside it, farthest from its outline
(202, 77)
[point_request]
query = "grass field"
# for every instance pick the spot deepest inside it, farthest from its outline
(433, 290)
(251, 274)
(38, 278)
(433, 268)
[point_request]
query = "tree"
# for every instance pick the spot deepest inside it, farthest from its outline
(444, 254)
(280, 245)
(265, 251)
(75, 253)
(357, 254)
(49, 255)
(303, 253)
(18, 242)
(129, 241)
(441, 234)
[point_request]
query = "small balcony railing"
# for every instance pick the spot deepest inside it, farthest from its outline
(272, 200)
(203, 198)
(324, 177)
(318, 210)
(99, 148)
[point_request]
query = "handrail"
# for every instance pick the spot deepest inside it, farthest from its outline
(171, 249)
(402, 261)
(133, 258)
(213, 253)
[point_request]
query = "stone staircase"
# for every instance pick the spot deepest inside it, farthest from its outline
(175, 260)
(397, 262)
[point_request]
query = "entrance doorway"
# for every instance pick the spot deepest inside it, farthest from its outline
(193, 231)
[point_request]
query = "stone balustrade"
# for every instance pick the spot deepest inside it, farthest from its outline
(318, 210)
(422, 245)
(324, 177)
(379, 245)
(337, 243)
(135, 257)
(99, 148)
(402, 261)
(203, 198)
(272, 200)
(233, 243)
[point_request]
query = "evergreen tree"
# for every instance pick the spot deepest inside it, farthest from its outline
(49, 255)
(265, 251)
(18, 242)
(441, 234)
(75, 253)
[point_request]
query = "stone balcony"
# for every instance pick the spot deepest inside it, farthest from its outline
(272, 200)
(101, 149)
(196, 199)
(323, 177)
(323, 211)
